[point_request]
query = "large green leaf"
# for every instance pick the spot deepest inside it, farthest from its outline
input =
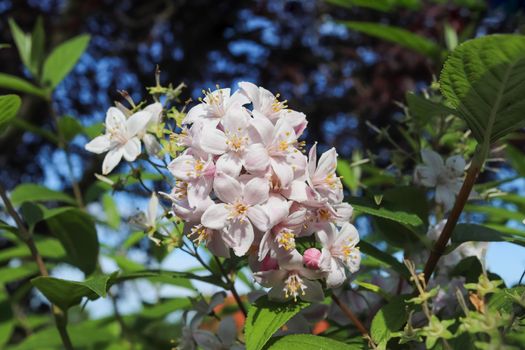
(484, 79)
(396, 35)
(12, 82)
(479, 233)
(310, 342)
(32, 192)
(379, 5)
(9, 105)
(62, 59)
(78, 235)
(423, 109)
(374, 210)
(389, 319)
(48, 248)
(265, 318)
(66, 294)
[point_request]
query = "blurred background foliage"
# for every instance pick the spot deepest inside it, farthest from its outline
(350, 79)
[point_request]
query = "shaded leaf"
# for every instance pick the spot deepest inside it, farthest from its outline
(310, 342)
(389, 319)
(22, 42)
(12, 82)
(9, 106)
(396, 35)
(32, 192)
(398, 216)
(69, 127)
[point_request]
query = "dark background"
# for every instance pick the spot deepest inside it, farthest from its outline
(339, 78)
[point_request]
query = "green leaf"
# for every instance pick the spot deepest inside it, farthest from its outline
(265, 318)
(310, 342)
(22, 42)
(484, 79)
(37, 47)
(451, 37)
(9, 105)
(11, 274)
(32, 192)
(516, 158)
(350, 175)
(48, 248)
(4, 46)
(78, 235)
(162, 308)
(378, 5)
(62, 60)
(389, 319)
(472, 232)
(396, 35)
(504, 299)
(389, 260)
(470, 268)
(69, 127)
(12, 82)
(423, 109)
(66, 294)
(111, 210)
(7, 321)
(397, 216)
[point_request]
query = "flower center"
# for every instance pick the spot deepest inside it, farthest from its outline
(286, 239)
(199, 234)
(332, 181)
(117, 134)
(236, 141)
(238, 210)
(324, 214)
(277, 105)
(181, 190)
(293, 285)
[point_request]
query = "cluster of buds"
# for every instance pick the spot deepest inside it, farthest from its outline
(245, 186)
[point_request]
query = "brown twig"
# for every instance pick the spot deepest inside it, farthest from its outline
(439, 247)
(231, 287)
(346, 310)
(27, 237)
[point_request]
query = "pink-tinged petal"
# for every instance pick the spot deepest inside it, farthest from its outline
(238, 99)
(348, 232)
(99, 144)
(132, 149)
(283, 131)
(242, 235)
(229, 163)
(343, 212)
(199, 190)
(115, 118)
(217, 246)
(445, 196)
(313, 291)
(216, 216)
(312, 160)
(112, 159)
(227, 188)
(270, 278)
(251, 91)
(298, 191)
(325, 261)
(327, 164)
(297, 120)
(259, 217)
(256, 191)
(336, 276)
(182, 167)
(236, 120)
(227, 331)
(156, 113)
(263, 126)
(433, 160)
(456, 164)
(152, 145)
(195, 113)
(282, 170)
(296, 217)
(206, 339)
(265, 245)
(277, 292)
(137, 123)
(327, 235)
(277, 208)
(256, 158)
(213, 140)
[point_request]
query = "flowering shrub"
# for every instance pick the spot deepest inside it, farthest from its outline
(233, 185)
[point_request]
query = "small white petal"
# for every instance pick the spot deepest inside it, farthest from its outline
(112, 159)
(99, 144)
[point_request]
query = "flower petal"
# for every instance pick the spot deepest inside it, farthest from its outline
(256, 191)
(283, 171)
(256, 158)
(137, 123)
(132, 149)
(313, 291)
(227, 188)
(456, 164)
(259, 218)
(213, 140)
(327, 164)
(182, 167)
(99, 144)
(229, 163)
(241, 234)
(112, 159)
(433, 160)
(216, 216)
(115, 119)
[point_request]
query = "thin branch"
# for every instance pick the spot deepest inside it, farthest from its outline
(27, 237)
(360, 327)
(232, 288)
(439, 247)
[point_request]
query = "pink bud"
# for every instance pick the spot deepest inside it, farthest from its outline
(311, 258)
(269, 264)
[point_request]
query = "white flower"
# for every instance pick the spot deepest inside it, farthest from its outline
(339, 251)
(446, 177)
(120, 139)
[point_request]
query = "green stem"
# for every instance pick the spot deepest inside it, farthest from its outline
(27, 237)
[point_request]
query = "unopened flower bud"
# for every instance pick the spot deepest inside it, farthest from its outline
(311, 258)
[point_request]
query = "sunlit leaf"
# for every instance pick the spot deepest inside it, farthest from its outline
(310, 342)
(62, 60)
(32, 192)
(390, 318)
